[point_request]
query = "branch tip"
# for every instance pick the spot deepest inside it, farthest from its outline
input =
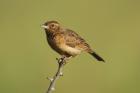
(57, 59)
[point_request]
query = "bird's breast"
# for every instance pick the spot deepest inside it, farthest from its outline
(58, 43)
(55, 41)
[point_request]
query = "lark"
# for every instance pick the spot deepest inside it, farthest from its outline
(66, 42)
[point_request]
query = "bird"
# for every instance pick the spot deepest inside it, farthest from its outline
(67, 42)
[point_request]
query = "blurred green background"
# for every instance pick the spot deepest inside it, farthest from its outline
(112, 27)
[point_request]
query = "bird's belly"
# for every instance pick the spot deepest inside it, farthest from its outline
(62, 48)
(69, 50)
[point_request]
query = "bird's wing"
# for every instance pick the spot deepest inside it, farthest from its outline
(75, 41)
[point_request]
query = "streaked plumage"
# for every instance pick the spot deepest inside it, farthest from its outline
(65, 41)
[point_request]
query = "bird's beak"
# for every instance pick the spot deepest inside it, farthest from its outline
(43, 26)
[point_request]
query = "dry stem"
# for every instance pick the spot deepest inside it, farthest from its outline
(61, 62)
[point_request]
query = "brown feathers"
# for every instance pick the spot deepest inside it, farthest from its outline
(65, 41)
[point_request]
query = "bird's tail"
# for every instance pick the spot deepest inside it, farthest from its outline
(97, 56)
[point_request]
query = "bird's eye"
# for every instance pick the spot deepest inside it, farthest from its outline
(52, 25)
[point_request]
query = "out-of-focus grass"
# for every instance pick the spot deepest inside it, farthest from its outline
(112, 28)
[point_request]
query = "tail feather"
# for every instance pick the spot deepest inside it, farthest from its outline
(97, 56)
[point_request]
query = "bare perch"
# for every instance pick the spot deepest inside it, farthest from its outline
(61, 62)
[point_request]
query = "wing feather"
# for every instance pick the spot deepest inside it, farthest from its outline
(75, 41)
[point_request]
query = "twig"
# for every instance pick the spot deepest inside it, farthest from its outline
(61, 62)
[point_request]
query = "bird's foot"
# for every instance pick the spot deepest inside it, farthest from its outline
(63, 59)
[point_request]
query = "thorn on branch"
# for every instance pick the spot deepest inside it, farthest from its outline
(61, 73)
(51, 79)
(52, 88)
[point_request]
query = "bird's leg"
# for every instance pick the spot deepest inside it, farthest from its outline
(62, 59)
(66, 58)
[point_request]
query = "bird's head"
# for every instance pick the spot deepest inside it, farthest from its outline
(51, 26)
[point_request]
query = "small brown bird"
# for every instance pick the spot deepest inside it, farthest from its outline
(66, 42)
